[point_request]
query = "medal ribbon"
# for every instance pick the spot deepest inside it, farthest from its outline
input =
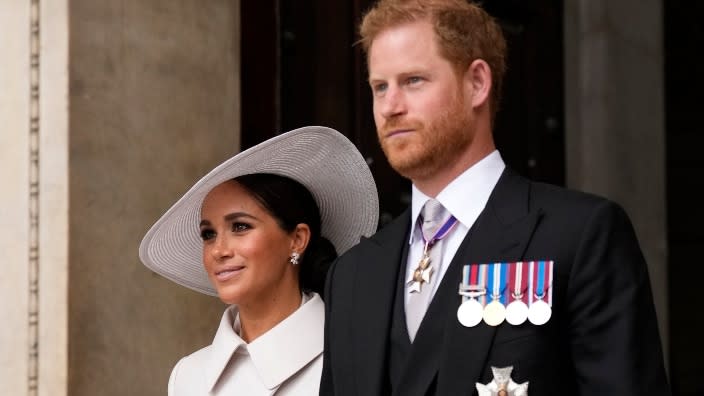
(542, 276)
(483, 282)
(504, 283)
(496, 282)
(518, 282)
(441, 233)
(472, 275)
(469, 274)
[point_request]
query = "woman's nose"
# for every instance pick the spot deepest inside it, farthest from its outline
(222, 248)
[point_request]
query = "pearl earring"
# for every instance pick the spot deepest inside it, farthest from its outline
(294, 258)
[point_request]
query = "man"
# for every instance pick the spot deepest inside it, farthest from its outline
(516, 287)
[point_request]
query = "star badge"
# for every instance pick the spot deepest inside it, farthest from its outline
(419, 276)
(502, 384)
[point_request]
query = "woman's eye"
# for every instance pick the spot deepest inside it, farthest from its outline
(207, 234)
(240, 227)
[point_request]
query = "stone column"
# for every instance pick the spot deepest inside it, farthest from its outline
(615, 128)
(34, 199)
(14, 199)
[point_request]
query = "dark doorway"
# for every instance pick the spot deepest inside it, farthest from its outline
(300, 67)
(684, 83)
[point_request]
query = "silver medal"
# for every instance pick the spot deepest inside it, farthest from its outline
(539, 312)
(516, 312)
(470, 313)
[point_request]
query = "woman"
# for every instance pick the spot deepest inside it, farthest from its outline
(259, 231)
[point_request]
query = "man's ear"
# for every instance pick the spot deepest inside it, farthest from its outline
(477, 79)
(301, 238)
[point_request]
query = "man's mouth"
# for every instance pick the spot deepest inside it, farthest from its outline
(396, 132)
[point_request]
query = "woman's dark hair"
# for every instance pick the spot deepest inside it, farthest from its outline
(290, 203)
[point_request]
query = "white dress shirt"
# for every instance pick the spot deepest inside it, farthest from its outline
(465, 198)
(287, 360)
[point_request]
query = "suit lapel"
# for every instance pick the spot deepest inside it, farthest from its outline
(501, 233)
(375, 285)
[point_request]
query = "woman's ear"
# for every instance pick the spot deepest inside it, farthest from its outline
(301, 238)
(477, 79)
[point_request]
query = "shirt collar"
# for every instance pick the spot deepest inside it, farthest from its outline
(280, 352)
(466, 196)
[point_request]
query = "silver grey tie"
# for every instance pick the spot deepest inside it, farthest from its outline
(420, 284)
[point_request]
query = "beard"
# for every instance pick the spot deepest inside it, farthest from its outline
(432, 146)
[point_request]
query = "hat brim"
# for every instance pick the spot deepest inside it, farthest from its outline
(321, 159)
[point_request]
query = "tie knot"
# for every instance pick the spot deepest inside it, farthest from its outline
(433, 216)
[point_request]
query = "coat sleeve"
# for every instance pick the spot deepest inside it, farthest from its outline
(614, 338)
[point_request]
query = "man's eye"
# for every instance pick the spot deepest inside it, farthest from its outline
(379, 88)
(207, 234)
(413, 80)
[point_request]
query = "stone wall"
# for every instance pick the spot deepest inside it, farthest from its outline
(154, 105)
(111, 110)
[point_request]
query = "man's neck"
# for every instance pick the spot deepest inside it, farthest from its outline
(436, 182)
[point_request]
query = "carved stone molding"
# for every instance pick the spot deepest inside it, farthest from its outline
(34, 248)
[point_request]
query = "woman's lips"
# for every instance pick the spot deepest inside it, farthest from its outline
(228, 273)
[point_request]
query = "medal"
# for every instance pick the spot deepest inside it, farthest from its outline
(517, 310)
(469, 314)
(495, 312)
(540, 311)
(424, 271)
(421, 274)
(502, 384)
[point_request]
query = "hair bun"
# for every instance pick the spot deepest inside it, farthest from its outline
(315, 265)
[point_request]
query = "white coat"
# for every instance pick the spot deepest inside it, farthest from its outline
(286, 360)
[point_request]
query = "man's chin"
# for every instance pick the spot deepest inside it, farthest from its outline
(410, 169)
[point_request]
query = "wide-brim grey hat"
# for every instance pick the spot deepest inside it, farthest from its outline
(321, 159)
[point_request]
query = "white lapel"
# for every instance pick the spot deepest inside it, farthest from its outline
(288, 347)
(224, 345)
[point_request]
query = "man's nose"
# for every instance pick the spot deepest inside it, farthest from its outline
(393, 103)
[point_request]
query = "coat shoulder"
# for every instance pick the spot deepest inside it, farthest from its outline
(571, 203)
(187, 375)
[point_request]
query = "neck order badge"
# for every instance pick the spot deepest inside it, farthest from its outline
(433, 213)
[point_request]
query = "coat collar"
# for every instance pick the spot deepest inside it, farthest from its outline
(277, 354)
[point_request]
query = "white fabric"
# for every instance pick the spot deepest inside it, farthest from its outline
(465, 198)
(286, 361)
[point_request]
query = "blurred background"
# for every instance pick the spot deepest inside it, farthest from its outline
(111, 109)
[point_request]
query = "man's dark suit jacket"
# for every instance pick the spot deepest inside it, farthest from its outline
(602, 338)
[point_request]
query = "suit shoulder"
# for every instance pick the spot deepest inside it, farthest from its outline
(555, 198)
